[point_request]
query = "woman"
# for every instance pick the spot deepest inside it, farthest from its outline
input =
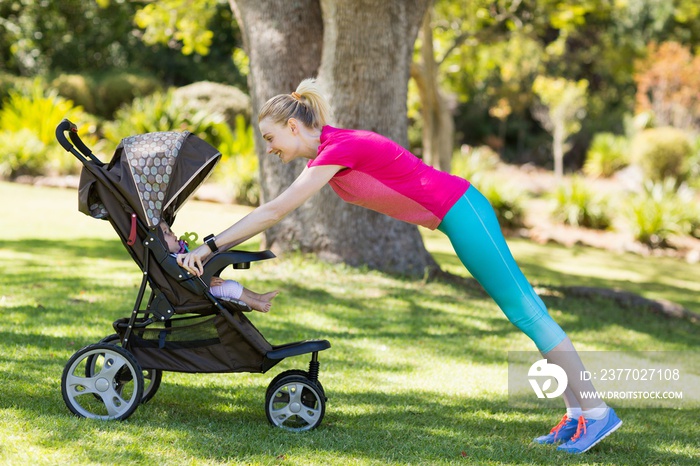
(370, 170)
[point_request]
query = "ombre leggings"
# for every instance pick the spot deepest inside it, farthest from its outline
(475, 234)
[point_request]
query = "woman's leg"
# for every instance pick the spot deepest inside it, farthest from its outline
(473, 229)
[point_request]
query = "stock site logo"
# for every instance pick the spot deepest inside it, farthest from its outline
(544, 372)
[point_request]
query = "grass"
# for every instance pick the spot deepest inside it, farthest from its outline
(417, 373)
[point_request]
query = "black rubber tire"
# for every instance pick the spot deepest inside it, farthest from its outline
(118, 384)
(295, 403)
(151, 377)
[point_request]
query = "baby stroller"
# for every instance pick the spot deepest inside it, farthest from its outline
(182, 327)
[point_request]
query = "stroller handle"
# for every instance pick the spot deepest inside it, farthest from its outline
(82, 153)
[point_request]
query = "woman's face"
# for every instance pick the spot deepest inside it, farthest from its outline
(281, 140)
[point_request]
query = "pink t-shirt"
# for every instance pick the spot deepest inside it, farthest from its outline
(385, 177)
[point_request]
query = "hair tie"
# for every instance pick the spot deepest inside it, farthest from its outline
(296, 96)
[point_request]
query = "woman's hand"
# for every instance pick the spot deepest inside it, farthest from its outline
(193, 261)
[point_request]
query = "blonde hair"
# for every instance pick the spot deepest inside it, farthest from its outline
(307, 104)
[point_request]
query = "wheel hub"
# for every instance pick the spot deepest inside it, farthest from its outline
(102, 385)
(295, 408)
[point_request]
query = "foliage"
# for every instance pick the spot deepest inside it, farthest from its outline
(76, 36)
(472, 162)
(238, 169)
(173, 19)
(116, 89)
(575, 203)
(160, 112)
(27, 131)
(668, 84)
(506, 201)
(660, 211)
(78, 88)
(607, 154)
(662, 153)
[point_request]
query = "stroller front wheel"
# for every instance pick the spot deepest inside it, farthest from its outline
(114, 389)
(295, 403)
(151, 377)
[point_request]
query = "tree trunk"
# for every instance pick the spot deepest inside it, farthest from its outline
(364, 67)
(438, 126)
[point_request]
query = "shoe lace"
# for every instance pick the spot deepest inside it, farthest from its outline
(555, 430)
(580, 429)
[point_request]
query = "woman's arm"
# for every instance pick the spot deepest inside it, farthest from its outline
(309, 182)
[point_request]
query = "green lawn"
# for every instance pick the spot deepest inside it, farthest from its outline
(417, 373)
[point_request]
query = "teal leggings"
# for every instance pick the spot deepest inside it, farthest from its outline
(475, 234)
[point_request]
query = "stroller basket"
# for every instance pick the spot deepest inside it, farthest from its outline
(181, 327)
(192, 344)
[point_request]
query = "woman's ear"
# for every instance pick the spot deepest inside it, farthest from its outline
(293, 125)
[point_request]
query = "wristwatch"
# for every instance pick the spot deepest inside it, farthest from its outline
(209, 241)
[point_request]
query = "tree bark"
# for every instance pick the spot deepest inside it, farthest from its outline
(363, 67)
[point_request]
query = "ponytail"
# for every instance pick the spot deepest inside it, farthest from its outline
(307, 104)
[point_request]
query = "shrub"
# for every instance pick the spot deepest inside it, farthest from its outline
(472, 162)
(608, 153)
(17, 84)
(159, 112)
(216, 98)
(662, 153)
(576, 204)
(660, 211)
(238, 169)
(505, 200)
(31, 120)
(116, 90)
(77, 88)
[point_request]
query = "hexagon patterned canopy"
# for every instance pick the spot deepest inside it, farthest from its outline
(158, 172)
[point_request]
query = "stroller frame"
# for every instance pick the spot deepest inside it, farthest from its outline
(201, 333)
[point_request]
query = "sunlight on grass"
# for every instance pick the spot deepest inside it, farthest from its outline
(417, 372)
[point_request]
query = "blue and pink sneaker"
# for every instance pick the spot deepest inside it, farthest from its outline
(562, 432)
(591, 431)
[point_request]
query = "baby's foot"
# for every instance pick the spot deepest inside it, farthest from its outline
(264, 302)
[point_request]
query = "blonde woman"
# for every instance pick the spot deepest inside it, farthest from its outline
(369, 170)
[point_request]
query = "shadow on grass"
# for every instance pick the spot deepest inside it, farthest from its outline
(226, 423)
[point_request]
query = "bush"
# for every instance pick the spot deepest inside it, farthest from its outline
(505, 200)
(660, 211)
(17, 84)
(608, 153)
(662, 153)
(215, 98)
(116, 90)
(471, 163)
(238, 169)
(577, 205)
(27, 131)
(78, 88)
(159, 112)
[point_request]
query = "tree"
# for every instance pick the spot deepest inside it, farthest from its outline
(361, 51)
(562, 108)
(668, 85)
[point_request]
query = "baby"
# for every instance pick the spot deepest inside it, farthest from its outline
(227, 289)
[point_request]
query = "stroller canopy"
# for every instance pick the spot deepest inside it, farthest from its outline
(157, 172)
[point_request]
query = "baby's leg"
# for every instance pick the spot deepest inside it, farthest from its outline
(259, 302)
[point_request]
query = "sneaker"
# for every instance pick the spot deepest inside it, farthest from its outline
(590, 432)
(562, 432)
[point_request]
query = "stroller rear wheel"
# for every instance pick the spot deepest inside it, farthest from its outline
(295, 403)
(298, 372)
(151, 377)
(113, 391)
